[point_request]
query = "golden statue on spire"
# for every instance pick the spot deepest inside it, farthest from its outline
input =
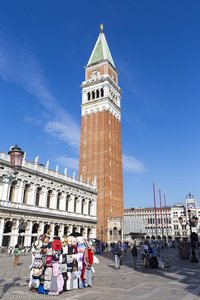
(101, 27)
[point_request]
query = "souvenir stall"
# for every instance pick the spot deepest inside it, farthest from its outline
(60, 266)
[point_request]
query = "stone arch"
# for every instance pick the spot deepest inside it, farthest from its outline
(35, 228)
(25, 195)
(67, 202)
(115, 233)
(93, 95)
(56, 230)
(89, 207)
(66, 228)
(82, 231)
(88, 232)
(7, 229)
(46, 228)
(82, 206)
(58, 200)
(37, 197)
(75, 203)
(12, 191)
(49, 194)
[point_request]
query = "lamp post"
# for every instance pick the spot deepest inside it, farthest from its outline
(16, 158)
(192, 222)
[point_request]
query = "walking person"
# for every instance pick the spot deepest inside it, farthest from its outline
(117, 255)
(16, 255)
(125, 247)
(134, 254)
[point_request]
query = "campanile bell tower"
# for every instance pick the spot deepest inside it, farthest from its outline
(100, 141)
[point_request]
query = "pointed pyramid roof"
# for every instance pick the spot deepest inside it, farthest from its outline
(101, 50)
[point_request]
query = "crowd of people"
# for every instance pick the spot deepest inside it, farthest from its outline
(150, 253)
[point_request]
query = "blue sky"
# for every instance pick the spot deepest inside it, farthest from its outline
(44, 46)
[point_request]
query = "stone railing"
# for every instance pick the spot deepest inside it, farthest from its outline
(44, 210)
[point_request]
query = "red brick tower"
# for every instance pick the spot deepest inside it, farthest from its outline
(100, 142)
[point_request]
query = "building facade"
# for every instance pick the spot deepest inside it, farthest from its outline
(100, 141)
(181, 230)
(165, 223)
(41, 200)
(154, 225)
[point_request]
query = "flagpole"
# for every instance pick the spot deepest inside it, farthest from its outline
(166, 216)
(161, 213)
(155, 213)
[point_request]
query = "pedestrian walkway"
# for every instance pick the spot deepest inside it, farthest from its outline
(179, 282)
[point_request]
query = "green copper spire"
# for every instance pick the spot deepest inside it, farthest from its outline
(101, 50)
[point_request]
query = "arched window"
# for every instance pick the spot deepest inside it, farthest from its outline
(35, 228)
(25, 197)
(58, 200)
(66, 228)
(102, 92)
(56, 230)
(115, 232)
(81, 231)
(46, 228)
(89, 207)
(6, 238)
(49, 198)
(82, 206)
(67, 203)
(97, 93)
(75, 203)
(88, 96)
(88, 232)
(93, 95)
(37, 198)
(12, 191)
(74, 229)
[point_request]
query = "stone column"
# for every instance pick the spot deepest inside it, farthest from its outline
(86, 206)
(78, 228)
(53, 200)
(69, 229)
(93, 232)
(43, 198)
(78, 205)
(93, 208)
(71, 203)
(62, 201)
(28, 232)
(41, 228)
(5, 189)
(19, 192)
(52, 226)
(61, 231)
(32, 195)
(1, 230)
(14, 233)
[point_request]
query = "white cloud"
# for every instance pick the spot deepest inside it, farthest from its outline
(132, 165)
(69, 162)
(19, 66)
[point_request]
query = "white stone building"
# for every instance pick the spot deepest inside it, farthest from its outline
(41, 200)
(181, 230)
(145, 222)
(168, 223)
